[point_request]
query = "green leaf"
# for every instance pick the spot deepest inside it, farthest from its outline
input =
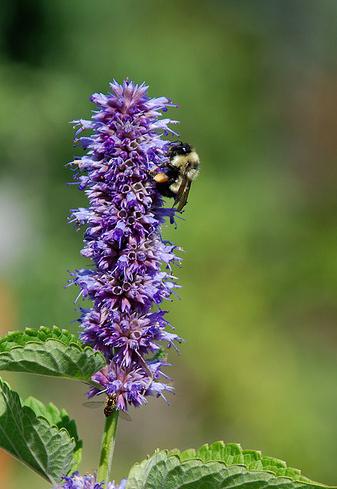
(59, 418)
(49, 351)
(21, 338)
(31, 438)
(216, 466)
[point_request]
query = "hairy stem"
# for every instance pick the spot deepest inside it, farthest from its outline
(108, 445)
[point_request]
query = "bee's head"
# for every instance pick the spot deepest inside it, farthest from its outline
(179, 148)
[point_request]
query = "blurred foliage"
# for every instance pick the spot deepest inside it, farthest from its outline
(256, 86)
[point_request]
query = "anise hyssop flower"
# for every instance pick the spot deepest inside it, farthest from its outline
(131, 273)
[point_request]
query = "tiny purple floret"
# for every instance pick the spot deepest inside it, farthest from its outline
(88, 481)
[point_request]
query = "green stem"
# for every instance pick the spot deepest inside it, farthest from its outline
(108, 445)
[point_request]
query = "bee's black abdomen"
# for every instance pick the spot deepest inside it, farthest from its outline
(164, 188)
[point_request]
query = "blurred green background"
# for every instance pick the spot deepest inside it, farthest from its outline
(256, 85)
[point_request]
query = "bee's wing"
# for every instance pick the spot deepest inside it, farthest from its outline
(182, 194)
(97, 404)
(125, 416)
(93, 404)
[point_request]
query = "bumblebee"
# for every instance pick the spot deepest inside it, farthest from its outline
(181, 170)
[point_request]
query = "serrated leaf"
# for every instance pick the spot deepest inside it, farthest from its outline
(59, 418)
(21, 338)
(216, 466)
(49, 351)
(30, 438)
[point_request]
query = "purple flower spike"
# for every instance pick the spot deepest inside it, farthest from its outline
(89, 481)
(131, 274)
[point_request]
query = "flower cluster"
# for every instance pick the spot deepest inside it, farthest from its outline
(89, 481)
(131, 271)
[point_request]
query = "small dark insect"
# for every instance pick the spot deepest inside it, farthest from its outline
(181, 171)
(109, 406)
